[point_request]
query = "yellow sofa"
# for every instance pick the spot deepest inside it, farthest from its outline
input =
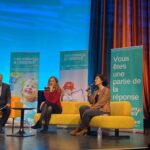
(120, 117)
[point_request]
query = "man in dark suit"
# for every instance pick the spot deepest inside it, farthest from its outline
(5, 96)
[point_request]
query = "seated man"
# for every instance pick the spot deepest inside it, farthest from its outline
(5, 96)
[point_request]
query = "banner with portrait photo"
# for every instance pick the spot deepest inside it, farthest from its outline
(24, 68)
(126, 80)
(74, 75)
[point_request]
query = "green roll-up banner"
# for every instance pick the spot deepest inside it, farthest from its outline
(126, 80)
(73, 74)
(24, 80)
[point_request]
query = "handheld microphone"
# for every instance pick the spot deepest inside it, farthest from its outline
(49, 88)
(89, 87)
(46, 88)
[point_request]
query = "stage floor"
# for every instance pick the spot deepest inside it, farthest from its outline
(59, 139)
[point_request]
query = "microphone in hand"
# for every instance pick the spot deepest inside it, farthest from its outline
(46, 88)
(89, 87)
(49, 88)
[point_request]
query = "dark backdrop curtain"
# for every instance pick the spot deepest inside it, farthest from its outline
(115, 24)
(101, 37)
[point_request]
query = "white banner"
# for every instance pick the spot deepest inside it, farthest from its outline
(74, 75)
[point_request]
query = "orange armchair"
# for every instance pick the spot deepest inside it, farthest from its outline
(15, 103)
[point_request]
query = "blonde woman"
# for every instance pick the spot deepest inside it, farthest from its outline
(52, 105)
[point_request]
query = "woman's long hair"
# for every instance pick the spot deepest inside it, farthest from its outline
(57, 87)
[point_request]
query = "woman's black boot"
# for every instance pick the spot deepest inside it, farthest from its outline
(45, 129)
(37, 125)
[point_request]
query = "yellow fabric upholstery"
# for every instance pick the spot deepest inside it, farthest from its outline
(68, 108)
(15, 103)
(117, 122)
(70, 114)
(15, 99)
(72, 107)
(120, 116)
(122, 108)
(63, 119)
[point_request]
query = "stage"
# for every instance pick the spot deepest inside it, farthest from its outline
(59, 139)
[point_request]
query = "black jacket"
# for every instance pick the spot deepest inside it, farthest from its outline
(5, 95)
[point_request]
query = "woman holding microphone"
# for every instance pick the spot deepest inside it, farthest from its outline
(52, 105)
(100, 105)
